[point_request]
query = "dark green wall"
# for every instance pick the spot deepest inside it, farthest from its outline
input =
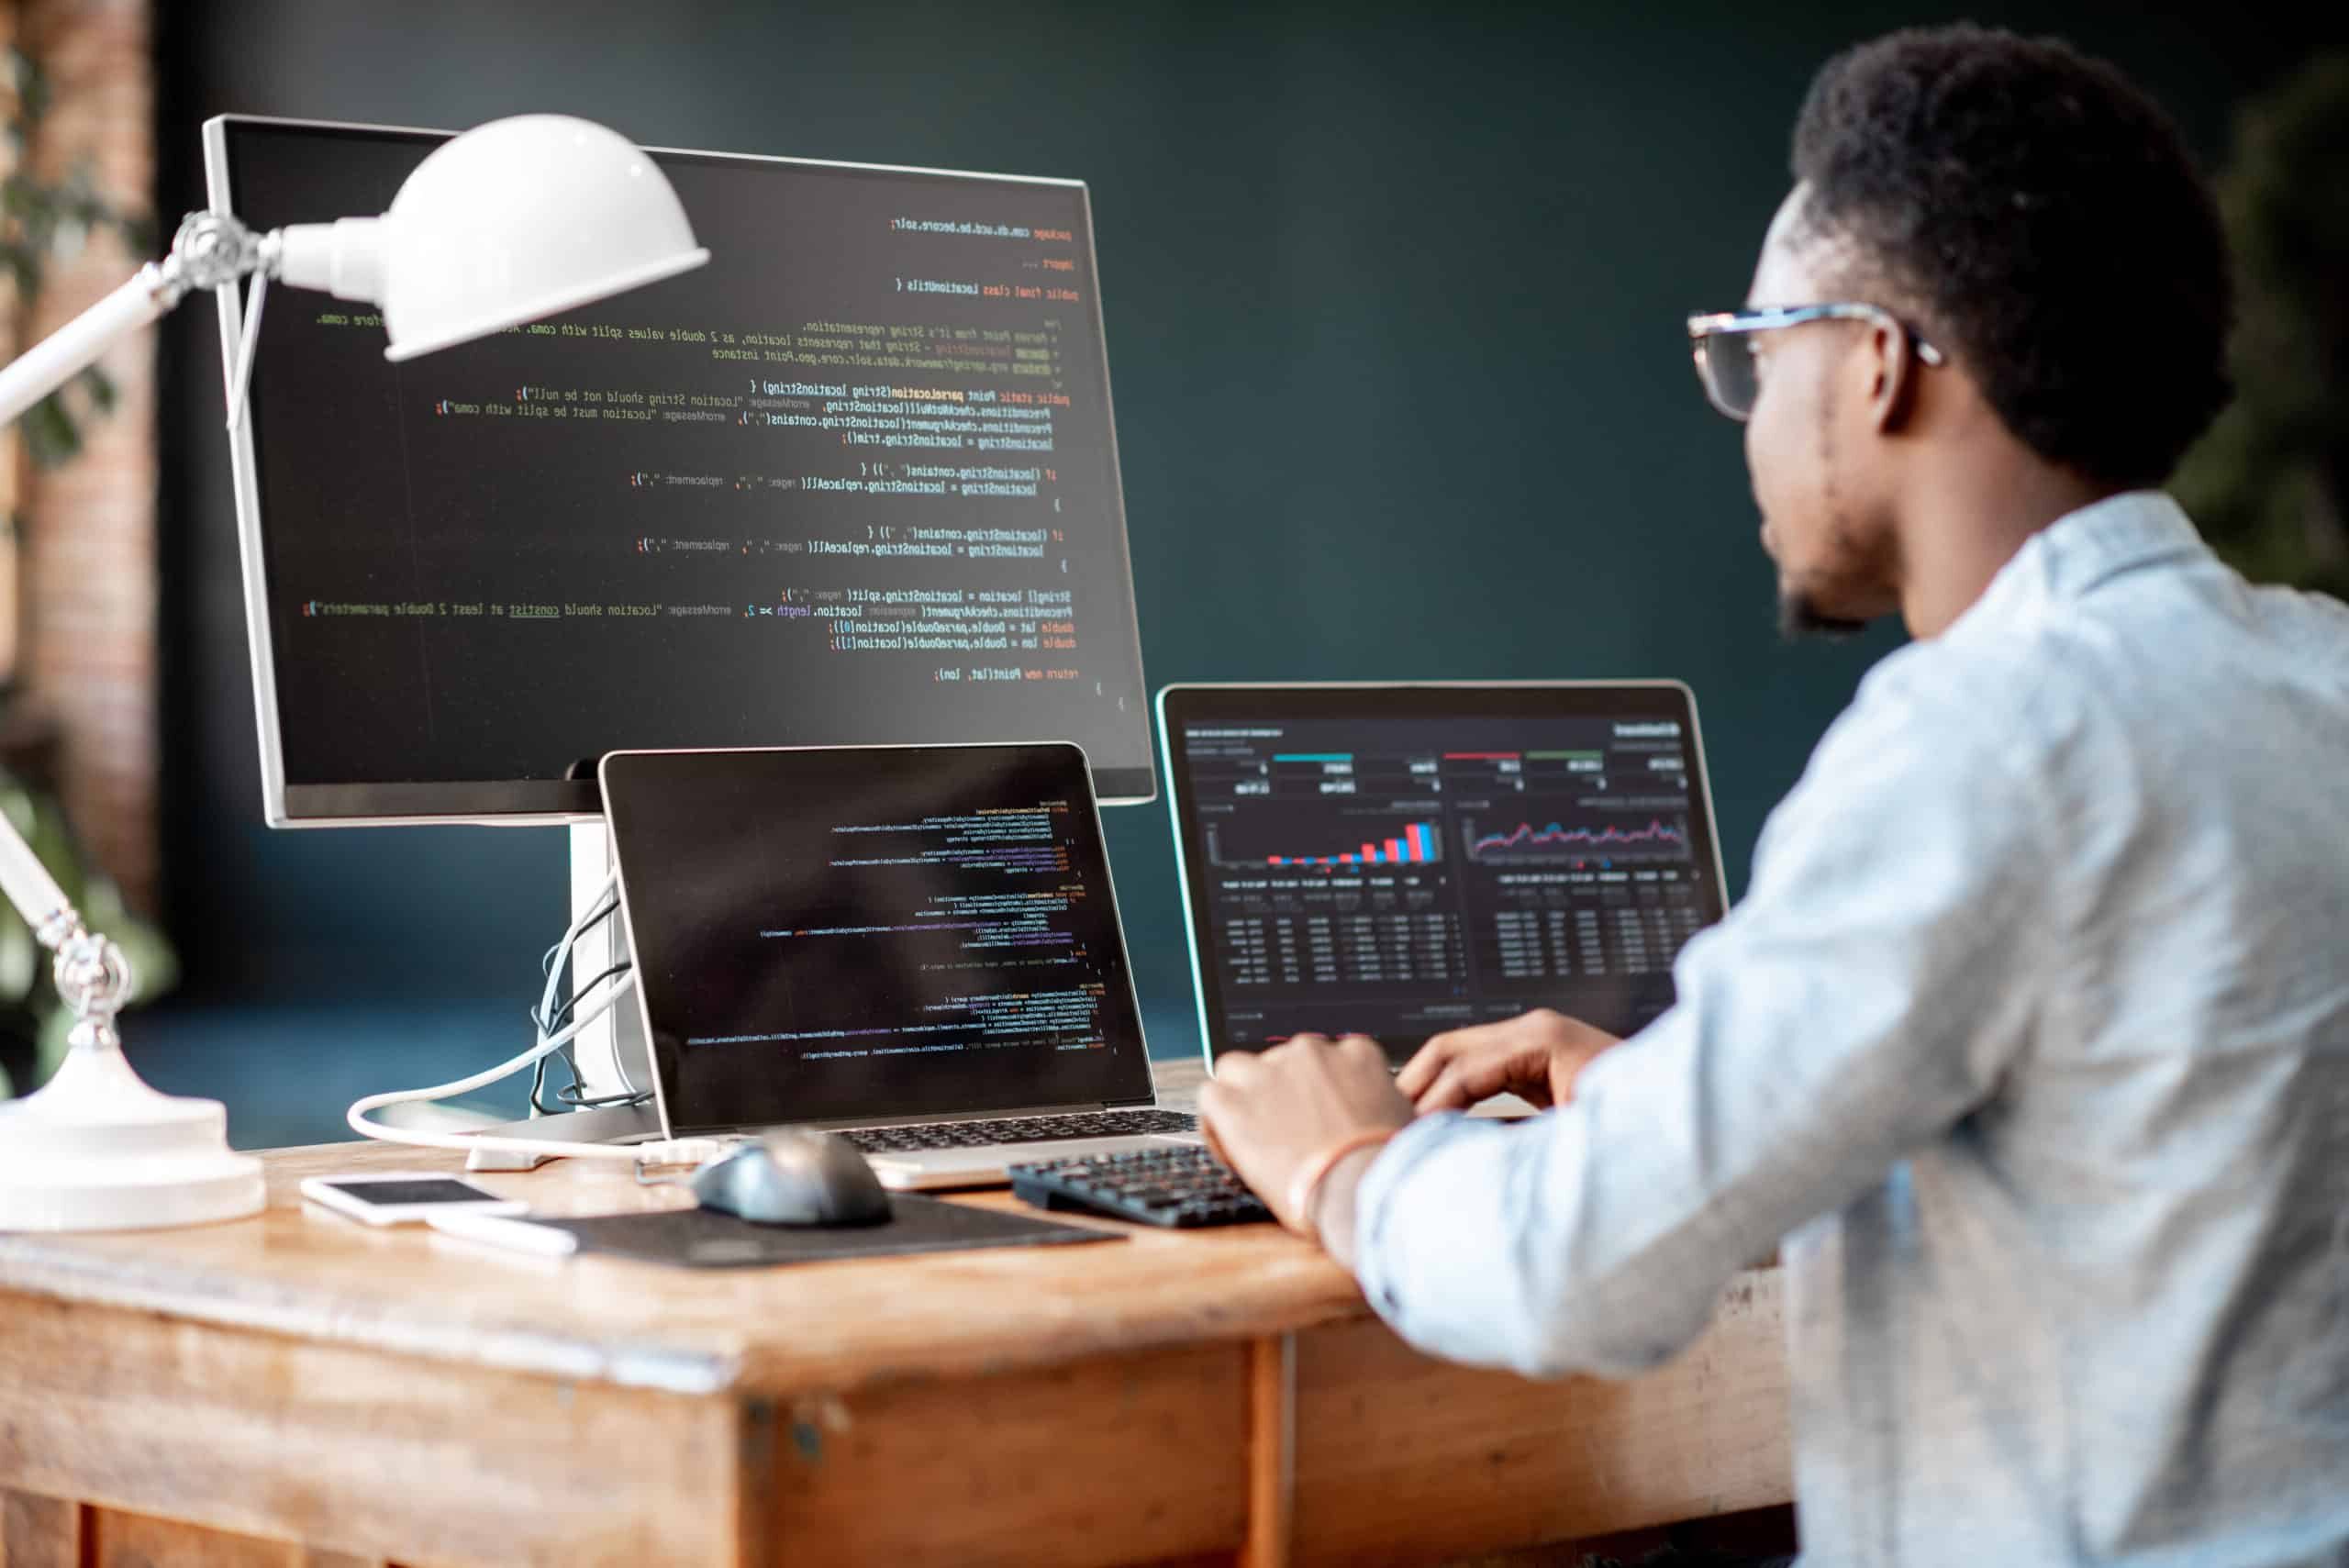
(1393, 301)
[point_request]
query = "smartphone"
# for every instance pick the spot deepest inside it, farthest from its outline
(404, 1197)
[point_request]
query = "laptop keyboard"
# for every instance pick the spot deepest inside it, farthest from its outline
(1182, 1188)
(1018, 1129)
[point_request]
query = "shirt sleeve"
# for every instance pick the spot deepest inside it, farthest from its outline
(1863, 998)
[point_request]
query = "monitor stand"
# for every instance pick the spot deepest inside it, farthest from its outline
(610, 1050)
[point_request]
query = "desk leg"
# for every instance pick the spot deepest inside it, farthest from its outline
(1272, 1451)
(38, 1533)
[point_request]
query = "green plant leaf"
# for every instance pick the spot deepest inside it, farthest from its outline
(51, 436)
(2269, 483)
(32, 90)
(20, 961)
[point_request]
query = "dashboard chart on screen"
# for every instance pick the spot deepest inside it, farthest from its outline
(853, 482)
(1402, 873)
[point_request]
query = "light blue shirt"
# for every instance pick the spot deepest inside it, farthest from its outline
(2031, 1039)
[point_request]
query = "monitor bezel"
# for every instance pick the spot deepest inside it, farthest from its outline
(545, 801)
(1236, 701)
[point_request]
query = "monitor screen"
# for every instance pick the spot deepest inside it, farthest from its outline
(1401, 861)
(871, 934)
(853, 482)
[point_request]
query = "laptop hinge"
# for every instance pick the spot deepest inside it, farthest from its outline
(948, 1117)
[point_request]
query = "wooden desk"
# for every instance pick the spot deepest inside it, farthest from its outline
(296, 1388)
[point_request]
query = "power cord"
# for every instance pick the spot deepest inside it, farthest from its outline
(556, 1029)
(571, 1095)
(552, 964)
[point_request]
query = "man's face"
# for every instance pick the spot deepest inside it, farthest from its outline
(1813, 446)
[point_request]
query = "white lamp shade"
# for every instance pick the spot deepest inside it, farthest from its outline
(521, 218)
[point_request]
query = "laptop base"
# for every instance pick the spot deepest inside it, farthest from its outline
(607, 1124)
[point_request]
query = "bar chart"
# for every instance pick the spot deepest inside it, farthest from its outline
(1420, 843)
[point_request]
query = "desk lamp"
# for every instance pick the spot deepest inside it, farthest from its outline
(516, 220)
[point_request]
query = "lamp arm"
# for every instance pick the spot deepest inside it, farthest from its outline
(210, 248)
(56, 359)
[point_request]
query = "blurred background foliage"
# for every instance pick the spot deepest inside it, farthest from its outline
(2270, 484)
(43, 220)
(46, 220)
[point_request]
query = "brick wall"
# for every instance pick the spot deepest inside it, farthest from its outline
(88, 559)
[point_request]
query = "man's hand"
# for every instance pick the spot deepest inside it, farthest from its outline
(1267, 1113)
(1535, 1056)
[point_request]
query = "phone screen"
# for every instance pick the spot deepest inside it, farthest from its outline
(402, 1192)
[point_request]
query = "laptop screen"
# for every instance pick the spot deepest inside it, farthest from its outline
(1401, 861)
(871, 933)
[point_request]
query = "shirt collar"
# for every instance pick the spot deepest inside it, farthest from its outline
(2082, 549)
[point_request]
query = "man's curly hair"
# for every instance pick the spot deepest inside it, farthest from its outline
(2038, 218)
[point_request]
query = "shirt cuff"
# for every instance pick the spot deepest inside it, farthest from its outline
(1373, 1269)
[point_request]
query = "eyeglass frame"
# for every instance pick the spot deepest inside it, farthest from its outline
(1705, 326)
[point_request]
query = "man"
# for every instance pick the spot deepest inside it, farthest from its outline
(2031, 1039)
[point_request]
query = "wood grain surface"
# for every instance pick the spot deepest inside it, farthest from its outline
(338, 1447)
(302, 1271)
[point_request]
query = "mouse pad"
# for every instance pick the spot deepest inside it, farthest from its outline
(704, 1238)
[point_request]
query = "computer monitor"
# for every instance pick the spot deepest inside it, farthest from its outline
(853, 482)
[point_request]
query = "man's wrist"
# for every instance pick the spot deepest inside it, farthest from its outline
(1333, 1218)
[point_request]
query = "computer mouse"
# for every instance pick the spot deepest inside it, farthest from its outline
(792, 1175)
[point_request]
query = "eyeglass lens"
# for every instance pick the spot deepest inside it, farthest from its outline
(1730, 375)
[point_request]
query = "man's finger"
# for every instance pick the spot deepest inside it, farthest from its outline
(1446, 1094)
(1471, 1076)
(1429, 1061)
(1363, 1051)
(1453, 1046)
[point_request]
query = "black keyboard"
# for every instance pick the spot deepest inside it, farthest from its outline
(1018, 1129)
(1184, 1187)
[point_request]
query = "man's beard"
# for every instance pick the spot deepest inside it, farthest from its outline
(1799, 617)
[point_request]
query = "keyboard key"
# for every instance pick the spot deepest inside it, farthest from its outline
(1019, 1130)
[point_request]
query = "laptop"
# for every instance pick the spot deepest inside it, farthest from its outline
(1402, 860)
(914, 946)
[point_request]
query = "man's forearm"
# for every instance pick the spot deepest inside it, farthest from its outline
(1478, 1241)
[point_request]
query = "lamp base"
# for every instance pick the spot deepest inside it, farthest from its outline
(98, 1150)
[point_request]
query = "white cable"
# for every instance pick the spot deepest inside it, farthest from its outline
(619, 1057)
(558, 957)
(560, 954)
(672, 1151)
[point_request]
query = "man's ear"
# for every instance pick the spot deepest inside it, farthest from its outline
(1892, 378)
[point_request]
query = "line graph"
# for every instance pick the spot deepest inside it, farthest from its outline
(1654, 839)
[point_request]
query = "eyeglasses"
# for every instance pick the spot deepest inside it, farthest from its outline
(1724, 347)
